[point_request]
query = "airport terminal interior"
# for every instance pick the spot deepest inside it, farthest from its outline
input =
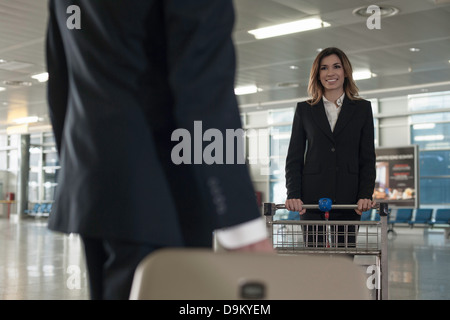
(400, 52)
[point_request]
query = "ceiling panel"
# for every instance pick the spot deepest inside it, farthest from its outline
(423, 24)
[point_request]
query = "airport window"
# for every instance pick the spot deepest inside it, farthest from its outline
(434, 177)
(280, 135)
(431, 132)
(431, 135)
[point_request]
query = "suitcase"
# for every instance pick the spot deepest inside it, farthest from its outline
(201, 274)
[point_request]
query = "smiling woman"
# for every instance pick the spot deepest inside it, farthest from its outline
(331, 72)
(331, 152)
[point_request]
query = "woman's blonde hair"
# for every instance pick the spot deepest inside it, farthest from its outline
(315, 87)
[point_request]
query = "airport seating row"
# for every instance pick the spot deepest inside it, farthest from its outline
(40, 210)
(423, 217)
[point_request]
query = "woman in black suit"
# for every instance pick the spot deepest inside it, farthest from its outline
(331, 152)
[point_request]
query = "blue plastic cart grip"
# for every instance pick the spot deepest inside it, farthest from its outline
(325, 204)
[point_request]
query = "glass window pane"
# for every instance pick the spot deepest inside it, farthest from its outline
(277, 168)
(280, 116)
(434, 191)
(429, 101)
(434, 177)
(279, 140)
(3, 160)
(434, 163)
(277, 191)
(431, 135)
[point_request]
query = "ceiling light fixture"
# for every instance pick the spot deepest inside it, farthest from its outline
(17, 83)
(385, 11)
(433, 137)
(246, 90)
(363, 74)
(2, 89)
(289, 28)
(414, 49)
(26, 120)
(423, 126)
(41, 77)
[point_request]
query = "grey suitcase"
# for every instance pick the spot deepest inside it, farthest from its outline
(200, 274)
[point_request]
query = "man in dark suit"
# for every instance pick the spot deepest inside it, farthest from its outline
(123, 75)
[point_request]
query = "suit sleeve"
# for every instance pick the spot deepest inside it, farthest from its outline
(295, 157)
(57, 86)
(367, 158)
(201, 63)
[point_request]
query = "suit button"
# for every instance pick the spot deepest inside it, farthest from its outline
(333, 149)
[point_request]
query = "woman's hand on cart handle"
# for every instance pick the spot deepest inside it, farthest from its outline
(295, 205)
(364, 205)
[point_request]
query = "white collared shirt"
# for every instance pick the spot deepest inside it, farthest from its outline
(332, 110)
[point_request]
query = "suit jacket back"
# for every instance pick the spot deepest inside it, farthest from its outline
(118, 87)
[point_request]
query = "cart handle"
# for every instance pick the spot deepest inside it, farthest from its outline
(324, 205)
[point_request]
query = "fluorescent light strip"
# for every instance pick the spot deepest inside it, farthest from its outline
(363, 74)
(246, 90)
(424, 126)
(435, 137)
(41, 77)
(288, 28)
(26, 120)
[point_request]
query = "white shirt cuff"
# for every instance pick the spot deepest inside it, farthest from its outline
(242, 234)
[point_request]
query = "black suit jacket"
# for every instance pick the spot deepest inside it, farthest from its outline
(339, 165)
(118, 87)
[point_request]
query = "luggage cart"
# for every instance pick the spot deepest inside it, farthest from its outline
(358, 238)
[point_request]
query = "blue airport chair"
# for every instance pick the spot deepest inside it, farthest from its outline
(49, 207)
(423, 216)
(442, 217)
(403, 216)
(35, 209)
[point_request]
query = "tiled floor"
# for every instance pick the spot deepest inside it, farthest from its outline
(36, 264)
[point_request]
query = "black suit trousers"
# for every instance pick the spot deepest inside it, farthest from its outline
(111, 265)
(342, 236)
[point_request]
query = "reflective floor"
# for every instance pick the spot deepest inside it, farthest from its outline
(37, 264)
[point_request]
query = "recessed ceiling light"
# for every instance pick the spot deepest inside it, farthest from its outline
(2, 89)
(288, 28)
(385, 11)
(293, 67)
(414, 49)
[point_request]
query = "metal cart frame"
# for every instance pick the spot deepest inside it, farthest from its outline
(291, 237)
